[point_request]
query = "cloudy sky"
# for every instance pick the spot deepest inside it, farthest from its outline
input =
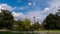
(22, 9)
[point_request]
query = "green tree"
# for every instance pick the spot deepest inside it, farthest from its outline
(52, 22)
(35, 26)
(24, 25)
(20, 25)
(27, 24)
(6, 19)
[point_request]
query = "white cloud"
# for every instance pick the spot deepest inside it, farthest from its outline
(20, 8)
(32, 3)
(54, 5)
(40, 15)
(29, 3)
(6, 7)
(18, 16)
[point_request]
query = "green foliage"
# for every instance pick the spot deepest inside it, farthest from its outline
(35, 26)
(6, 19)
(23, 25)
(20, 25)
(27, 24)
(52, 22)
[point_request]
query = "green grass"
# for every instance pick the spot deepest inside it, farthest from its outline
(5, 33)
(14, 33)
(50, 31)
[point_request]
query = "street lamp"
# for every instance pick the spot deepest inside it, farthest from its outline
(34, 19)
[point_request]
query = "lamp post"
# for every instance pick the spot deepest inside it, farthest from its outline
(34, 19)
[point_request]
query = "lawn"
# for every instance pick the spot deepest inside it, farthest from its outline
(15, 33)
(33, 32)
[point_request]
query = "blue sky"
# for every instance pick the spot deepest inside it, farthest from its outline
(22, 9)
(40, 4)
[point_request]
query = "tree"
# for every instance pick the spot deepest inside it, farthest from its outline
(20, 25)
(6, 19)
(35, 26)
(24, 25)
(27, 24)
(52, 22)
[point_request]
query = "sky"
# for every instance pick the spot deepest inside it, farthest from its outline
(22, 9)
